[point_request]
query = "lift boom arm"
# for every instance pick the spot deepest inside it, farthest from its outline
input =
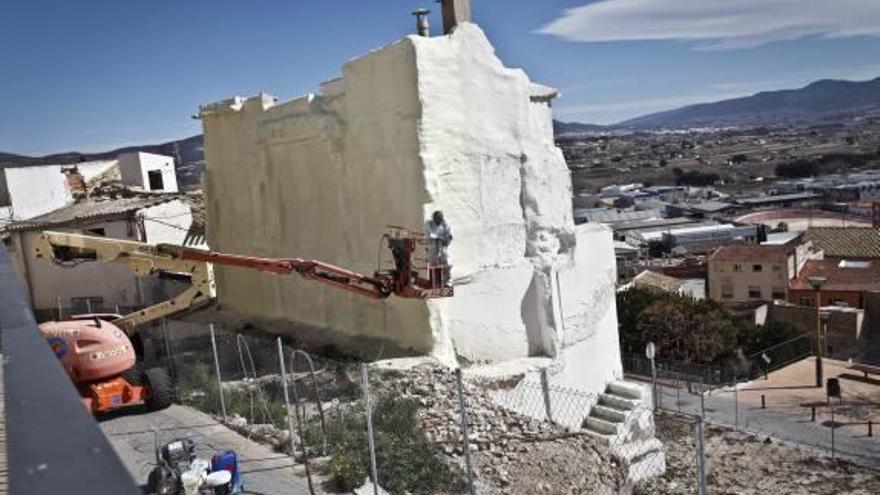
(147, 259)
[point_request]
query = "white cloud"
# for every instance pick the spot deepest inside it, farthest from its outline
(717, 24)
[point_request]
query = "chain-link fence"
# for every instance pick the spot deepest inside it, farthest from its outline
(427, 430)
(431, 430)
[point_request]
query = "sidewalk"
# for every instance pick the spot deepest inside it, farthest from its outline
(785, 418)
(263, 470)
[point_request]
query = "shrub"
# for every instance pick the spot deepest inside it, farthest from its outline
(405, 460)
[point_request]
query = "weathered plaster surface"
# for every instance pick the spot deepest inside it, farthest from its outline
(419, 125)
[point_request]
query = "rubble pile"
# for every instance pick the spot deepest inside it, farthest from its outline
(511, 453)
(265, 433)
(742, 463)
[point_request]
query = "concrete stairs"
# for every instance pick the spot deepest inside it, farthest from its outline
(608, 418)
(623, 421)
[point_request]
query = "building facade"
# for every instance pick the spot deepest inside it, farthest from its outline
(97, 287)
(747, 273)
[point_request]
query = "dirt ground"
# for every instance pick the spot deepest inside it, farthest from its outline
(740, 463)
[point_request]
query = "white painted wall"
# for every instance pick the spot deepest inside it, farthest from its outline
(134, 169)
(36, 190)
(419, 125)
(39, 189)
(167, 222)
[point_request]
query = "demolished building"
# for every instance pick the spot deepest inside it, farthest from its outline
(423, 124)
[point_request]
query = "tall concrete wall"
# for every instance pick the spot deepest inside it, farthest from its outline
(419, 125)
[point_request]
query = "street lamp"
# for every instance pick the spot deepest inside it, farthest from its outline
(817, 283)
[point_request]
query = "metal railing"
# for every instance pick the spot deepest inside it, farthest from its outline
(780, 355)
(53, 444)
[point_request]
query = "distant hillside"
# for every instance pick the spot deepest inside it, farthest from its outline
(822, 102)
(189, 150)
(569, 128)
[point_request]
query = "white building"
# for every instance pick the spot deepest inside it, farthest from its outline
(148, 171)
(422, 124)
(35, 190)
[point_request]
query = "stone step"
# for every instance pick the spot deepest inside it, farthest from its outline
(618, 402)
(601, 438)
(608, 413)
(632, 451)
(625, 389)
(601, 426)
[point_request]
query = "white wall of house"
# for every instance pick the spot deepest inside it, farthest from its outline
(32, 191)
(36, 190)
(167, 223)
(136, 169)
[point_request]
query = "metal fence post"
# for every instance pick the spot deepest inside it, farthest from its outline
(654, 384)
(700, 453)
(366, 384)
(464, 430)
(217, 371)
(702, 403)
(286, 396)
(171, 368)
(833, 427)
(678, 394)
(545, 391)
(735, 403)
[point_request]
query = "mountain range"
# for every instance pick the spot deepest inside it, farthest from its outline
(819, 103)
(822, 102)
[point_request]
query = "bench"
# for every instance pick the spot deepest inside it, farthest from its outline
(866, 369)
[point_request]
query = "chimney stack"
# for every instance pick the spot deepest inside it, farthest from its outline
(422, 26)
(454, 13)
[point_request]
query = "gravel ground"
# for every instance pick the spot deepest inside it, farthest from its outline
(740, 463)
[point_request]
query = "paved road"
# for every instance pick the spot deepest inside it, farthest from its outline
(788, 424)
(264, 472)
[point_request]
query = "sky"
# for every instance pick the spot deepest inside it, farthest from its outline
(92, 75)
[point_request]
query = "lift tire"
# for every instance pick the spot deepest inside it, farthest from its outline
(161, 391)
(134, 376)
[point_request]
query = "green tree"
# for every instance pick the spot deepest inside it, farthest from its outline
(630, 304)
(689, 330)
(754, 339)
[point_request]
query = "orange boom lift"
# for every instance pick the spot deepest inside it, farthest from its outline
(98, 350)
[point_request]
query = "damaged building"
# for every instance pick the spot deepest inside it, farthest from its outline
(423, 124)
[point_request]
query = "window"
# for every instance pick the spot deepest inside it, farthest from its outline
(727, 291)
(99, 231)
(805, 301)
(93, 304)
(737, 267)
(757, 268)
(155, 177)
(778, 293)
(754, 292)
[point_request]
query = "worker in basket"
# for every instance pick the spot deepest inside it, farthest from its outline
(439, 236)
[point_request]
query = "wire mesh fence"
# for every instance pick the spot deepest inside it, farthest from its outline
(431, 430)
